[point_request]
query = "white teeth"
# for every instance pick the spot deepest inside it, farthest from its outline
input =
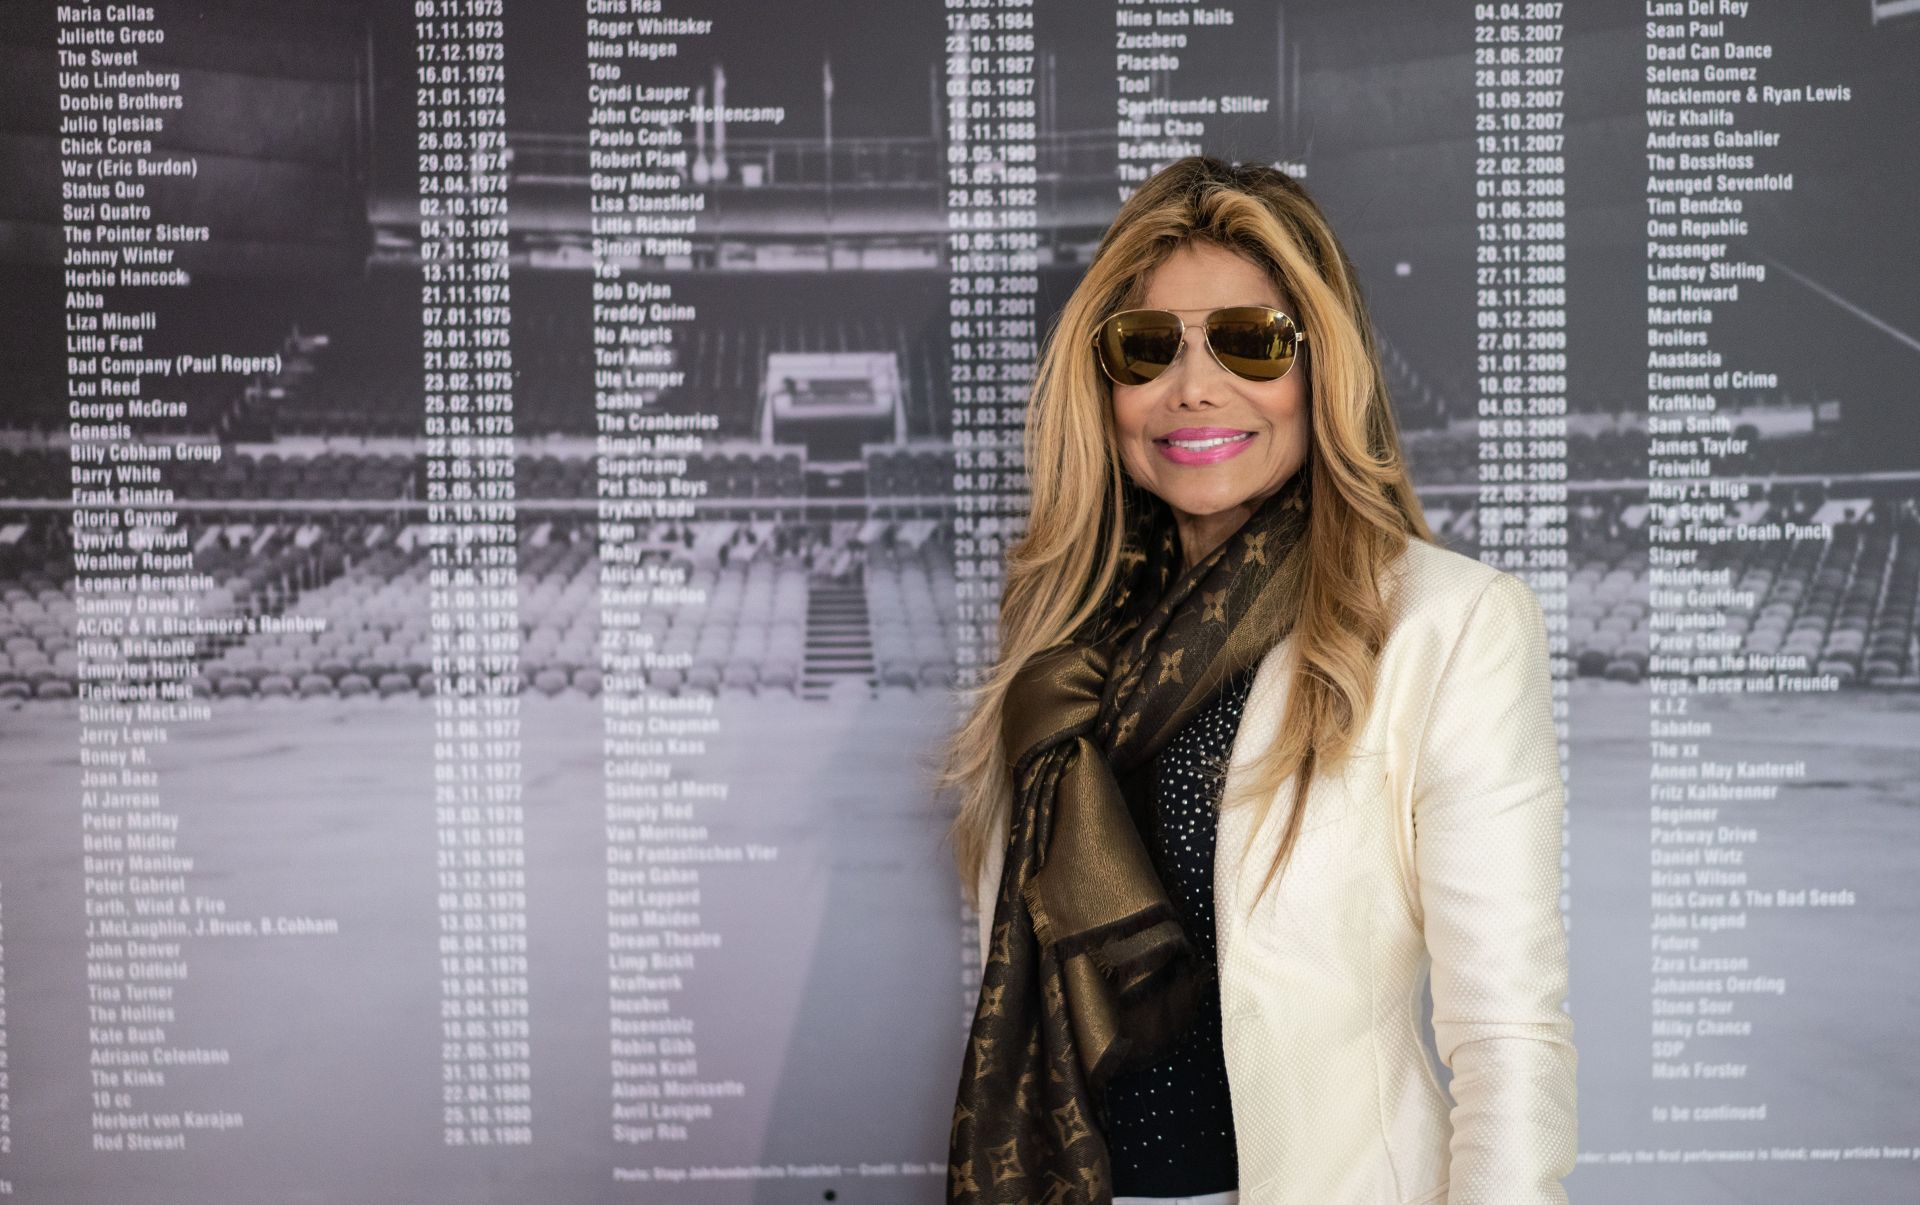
(1198, 445)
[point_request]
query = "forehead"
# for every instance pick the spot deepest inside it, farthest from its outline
(1205, 276)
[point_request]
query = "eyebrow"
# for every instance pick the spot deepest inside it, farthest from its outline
(1208, 309)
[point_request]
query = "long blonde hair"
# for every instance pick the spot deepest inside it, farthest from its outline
(1362, 504)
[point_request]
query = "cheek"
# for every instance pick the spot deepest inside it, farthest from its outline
(1288, 413)
(1129, 426)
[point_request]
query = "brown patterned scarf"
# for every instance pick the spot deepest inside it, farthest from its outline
(1088, 969)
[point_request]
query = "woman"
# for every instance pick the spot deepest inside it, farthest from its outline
(1226, 569)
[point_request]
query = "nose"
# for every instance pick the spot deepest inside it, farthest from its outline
(1193, 379)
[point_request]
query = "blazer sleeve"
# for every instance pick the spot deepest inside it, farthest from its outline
(1488, 801)
(989, 886)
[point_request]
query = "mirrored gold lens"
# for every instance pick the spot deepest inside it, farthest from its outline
(1252, 342)
(1138, 345)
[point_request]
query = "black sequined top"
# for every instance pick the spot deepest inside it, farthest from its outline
(1170, 1123)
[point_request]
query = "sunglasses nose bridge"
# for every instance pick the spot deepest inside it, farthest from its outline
(1185, 350)
(1205, 339)
(1205, 342)
(1182, 354)
(1186, 338)
(1192, 363)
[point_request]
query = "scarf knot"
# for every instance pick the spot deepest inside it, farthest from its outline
(1056, 695)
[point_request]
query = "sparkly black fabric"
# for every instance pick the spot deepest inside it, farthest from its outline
(1170, 1123)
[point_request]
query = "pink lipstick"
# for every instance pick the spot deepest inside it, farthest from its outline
(1203, 445)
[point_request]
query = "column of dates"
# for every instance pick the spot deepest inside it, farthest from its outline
(486, 1088)
(993, 259)
(993, 292)
(1520, 278)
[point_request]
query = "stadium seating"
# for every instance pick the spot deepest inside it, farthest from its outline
(916, 472)
(341, 606)
(910, 598)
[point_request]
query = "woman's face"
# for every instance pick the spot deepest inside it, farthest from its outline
(1210, 444)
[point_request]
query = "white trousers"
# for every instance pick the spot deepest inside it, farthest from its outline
(1229, 1197)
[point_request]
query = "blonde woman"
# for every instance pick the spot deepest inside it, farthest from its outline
(1258, 759)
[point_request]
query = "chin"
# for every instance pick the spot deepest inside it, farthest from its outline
(1206, 505)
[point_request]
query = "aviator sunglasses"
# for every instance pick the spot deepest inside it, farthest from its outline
(1253, 342)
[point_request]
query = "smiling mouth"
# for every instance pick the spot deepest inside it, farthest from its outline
(1207, 444)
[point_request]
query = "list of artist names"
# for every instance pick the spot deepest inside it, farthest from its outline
(1716, 543)
(144, 613)
(1156, 123)
(655, 142)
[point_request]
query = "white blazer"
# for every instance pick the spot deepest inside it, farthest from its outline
(1435, 850)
